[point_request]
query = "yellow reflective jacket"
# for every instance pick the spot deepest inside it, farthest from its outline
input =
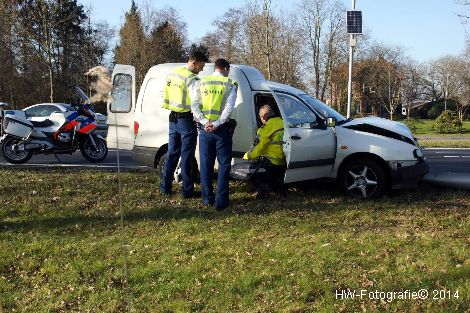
(215, 91)
(268, 142)
(176, 95)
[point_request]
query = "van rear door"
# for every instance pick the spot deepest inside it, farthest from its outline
(309, 147)
(121, 108)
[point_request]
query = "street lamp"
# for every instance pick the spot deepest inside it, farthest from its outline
(354, 28)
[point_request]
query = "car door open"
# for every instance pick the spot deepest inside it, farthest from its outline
(309, 145)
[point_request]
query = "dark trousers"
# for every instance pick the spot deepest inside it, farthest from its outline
(181, 142)
(211, 146)
(271, 180)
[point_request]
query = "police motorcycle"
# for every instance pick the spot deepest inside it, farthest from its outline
(61, 133)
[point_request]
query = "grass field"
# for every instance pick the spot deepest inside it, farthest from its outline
(439, 143)
(62, 248)
(430, 139)
(424, 127)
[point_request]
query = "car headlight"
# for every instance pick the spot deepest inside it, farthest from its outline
(418, 153)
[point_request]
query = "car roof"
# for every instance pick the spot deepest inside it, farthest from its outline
(270, 85)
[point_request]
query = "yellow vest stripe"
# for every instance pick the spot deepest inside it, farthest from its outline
(213, 106)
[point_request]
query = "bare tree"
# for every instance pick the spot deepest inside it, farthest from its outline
(431, 83)
(256, 36)
(7, 51)
(259, 29)
(324, 31)
(36, 27)
(466, 8)
(381, 74)
(450, 80)
(226, 39)
(448, 76)
(464, 94)
(413, 89)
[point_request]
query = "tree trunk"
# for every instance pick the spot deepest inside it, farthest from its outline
(51, 84)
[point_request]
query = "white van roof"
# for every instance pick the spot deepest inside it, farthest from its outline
(253, 76)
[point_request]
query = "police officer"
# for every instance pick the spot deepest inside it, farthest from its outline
(268, 144)
(180, 90)
(218, 95)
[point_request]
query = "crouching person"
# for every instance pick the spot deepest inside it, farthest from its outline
(267, 149)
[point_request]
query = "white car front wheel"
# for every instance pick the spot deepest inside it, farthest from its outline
(362, 178)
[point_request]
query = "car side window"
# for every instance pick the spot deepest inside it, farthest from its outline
(47, 110)
(32, 111)
(122, 93)
(298, 114)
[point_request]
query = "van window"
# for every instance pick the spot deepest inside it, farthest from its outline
(122, 94)
(297, 113)
(152, 95)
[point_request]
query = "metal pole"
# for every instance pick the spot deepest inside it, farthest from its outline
(445, 93)
(351, 56)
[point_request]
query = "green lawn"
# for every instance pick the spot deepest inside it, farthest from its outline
(61, 248)
(424, 127)
(430, 139)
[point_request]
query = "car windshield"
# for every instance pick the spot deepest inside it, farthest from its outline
(322, 108)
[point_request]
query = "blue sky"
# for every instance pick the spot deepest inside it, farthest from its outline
(427, 29)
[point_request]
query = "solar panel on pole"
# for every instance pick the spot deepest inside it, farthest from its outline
(354, 22)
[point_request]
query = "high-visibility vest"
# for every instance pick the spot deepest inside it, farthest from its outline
(176, 96)
(268, 142)
(215, 91)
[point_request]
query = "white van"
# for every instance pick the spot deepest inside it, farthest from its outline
(366, 155)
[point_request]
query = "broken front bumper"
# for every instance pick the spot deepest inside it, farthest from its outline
(407, 176)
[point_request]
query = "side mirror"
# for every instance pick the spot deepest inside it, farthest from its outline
(3, 105)
(331, 122)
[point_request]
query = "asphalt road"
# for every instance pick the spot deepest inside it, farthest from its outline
(440, 160)
(77, 161)
(448, 160)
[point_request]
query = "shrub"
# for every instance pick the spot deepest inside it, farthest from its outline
(412, 124)
(435, 111)
(447, 123)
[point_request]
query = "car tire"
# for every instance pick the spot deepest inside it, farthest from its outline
(363, 178)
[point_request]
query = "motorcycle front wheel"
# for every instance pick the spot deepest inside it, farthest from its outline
(92, 153)
(13, 151)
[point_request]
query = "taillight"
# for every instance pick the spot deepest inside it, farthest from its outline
(136, 128)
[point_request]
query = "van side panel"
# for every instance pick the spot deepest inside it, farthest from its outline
(153, 120)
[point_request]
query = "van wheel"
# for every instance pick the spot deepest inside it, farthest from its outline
(177, 174)
(362, 178)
